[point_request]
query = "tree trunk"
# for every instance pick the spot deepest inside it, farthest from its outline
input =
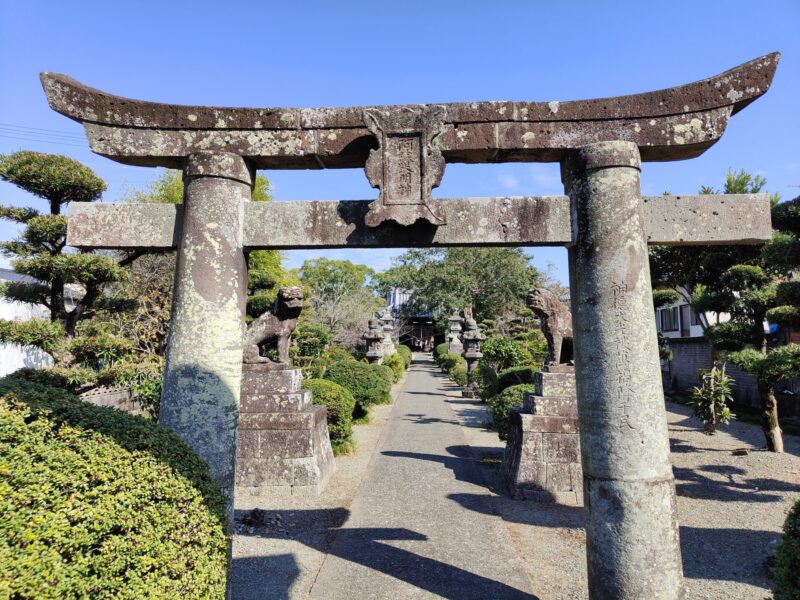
(769, 417)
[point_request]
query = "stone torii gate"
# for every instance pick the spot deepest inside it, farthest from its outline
(632, 532)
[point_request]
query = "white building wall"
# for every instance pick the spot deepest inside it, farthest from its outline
(14, 356)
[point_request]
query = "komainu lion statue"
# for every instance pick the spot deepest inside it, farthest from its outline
(278, 322)
(556, 324)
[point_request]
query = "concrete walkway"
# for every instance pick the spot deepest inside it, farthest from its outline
(406, 535)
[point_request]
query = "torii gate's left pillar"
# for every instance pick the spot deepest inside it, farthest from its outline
(200, 399)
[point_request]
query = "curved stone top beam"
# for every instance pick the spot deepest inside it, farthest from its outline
(671, 124)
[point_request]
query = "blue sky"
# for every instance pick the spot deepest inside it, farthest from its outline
(356, 53)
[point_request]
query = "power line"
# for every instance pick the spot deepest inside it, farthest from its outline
(41, 141)
(40, 130)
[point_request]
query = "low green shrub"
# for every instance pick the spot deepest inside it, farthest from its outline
(405, 353)
(70, 379)
(386, 373)
(501, 353)
(365, 383)
(515, 376)
(786, 573)
(440, 350)
(484, 378)
(97, 503)
(396, 363)
(450, 360)
(500, 407)
(459, 374)
(340, 404)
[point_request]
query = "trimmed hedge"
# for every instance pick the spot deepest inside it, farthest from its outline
(362, 380)
(97, 503)
(786, 573)
(459, 375)
(340, 404)
(440, 350)
(515, 376)
(405, 353)
(500, 407)
(386, 373)
(450, 360)
(398, 366)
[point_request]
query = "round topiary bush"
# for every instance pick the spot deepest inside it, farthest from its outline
(386, 373)
(398, 366)
(97, 503)
(786, 573)
(459, 374)
(405, 353)
(500, 407)
(340, 404)
(515, 376)
(450, 360)
(365, 383)
(440, 350)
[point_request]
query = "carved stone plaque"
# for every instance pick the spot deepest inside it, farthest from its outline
(406, 166)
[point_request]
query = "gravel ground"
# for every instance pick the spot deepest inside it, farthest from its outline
(730, 508)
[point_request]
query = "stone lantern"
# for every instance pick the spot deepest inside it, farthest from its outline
(472, 352)
(454, 345)
(374, 339)
(388, 333)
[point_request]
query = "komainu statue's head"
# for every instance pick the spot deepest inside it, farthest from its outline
(290, 298)
(542, 301)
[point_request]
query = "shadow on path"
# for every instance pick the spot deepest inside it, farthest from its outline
(364, 546)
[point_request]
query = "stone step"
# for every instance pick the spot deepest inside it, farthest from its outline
(271, 402)
(263, 378)
(559, 368)
(556, 406)
(554, 384)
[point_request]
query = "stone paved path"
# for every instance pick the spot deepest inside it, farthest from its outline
(407, 536)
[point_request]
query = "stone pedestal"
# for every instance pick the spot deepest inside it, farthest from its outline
(283, 445)
(542, 457)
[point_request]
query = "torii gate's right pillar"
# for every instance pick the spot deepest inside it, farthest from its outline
(632, 543)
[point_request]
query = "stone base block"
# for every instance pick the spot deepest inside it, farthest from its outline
(554, 384)
(283, 445)
(542, 456)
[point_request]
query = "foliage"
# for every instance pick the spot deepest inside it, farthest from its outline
(386, 373)
(492, 281)
(450, 360)
(405, 354)
(70, 379)
(515, 376)
(46, 335)
(365, 383)
(396, 363)
(500, 407)
(99, 349)
(340, 301)
(39, 251)
(144, 379)
(665, 297)
(709, 401)
(440, 350)
(340, 405)
(786, 573)
(458, 373)
(485, 380)
(777, 365)
(501, 353)
(98, 503)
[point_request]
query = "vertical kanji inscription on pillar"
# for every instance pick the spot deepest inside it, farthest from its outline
(406, 166)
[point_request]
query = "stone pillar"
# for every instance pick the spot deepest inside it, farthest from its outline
(629, 489)
(388, 333)
(204, 352)
(454, 344)
(374, 339)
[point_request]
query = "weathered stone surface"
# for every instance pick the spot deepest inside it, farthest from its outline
(554, 384)
(277, 323)
(374, 339)
(203, 369)
(274, 402)
(556, 324)
(261, 380)
(628, 481)
(676, 123)
(406, 166)
(558, 406)
(511, 221)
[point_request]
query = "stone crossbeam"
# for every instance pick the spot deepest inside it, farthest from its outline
(512, 221)
(671, 124)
